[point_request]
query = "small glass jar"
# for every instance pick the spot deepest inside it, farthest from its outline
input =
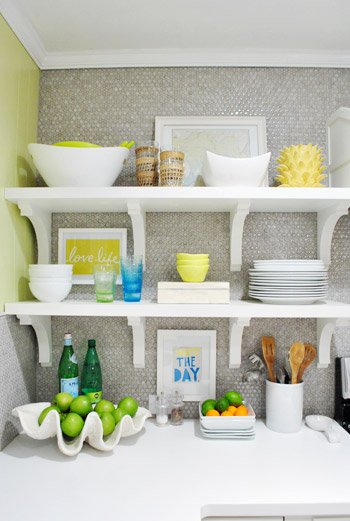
(161, 410)
(176, 415)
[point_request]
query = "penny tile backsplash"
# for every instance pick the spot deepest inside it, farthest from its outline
(107, 106)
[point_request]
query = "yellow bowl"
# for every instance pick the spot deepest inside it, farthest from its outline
(193, 273)
(192, 256)
(199, 262)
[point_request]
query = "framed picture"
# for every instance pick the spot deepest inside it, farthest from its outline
(84, 247)
(231, 136)
(186, 362)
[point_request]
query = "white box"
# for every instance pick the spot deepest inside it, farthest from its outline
(338, 125)
(193, 292)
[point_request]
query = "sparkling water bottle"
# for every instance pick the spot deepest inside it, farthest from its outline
(91, 383)
(68, 371)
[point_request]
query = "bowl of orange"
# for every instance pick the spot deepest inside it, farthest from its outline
(222, 414)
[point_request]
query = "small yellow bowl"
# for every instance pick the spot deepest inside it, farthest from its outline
(192, 256)
(193, 273)
(199, 262)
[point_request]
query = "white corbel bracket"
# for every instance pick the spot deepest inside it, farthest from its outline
(237, 218)
(138, 221)
(42, 328)
(236, 334)
(325, 330)
(326, 222)
(41, 222)
(138, 333)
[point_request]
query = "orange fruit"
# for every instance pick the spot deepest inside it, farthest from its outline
(241, 411)
(213, 412)
(232, 409)
(227, 413)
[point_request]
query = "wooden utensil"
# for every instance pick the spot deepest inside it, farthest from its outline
(296, 357)
(309, 356)
(268, 349)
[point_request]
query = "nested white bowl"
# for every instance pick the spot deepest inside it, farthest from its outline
(53, 292)
(50, 280)
(50, 270)
(230, 171)
(74, 166)
(92, 432)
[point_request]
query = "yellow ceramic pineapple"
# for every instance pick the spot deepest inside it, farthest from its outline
(301, 166)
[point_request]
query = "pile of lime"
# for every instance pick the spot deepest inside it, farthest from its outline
(74, 411)
(228, 405)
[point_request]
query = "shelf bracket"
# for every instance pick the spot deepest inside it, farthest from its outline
(138, 333)
(326, 222)
(41, 222)
(138, 220)
(42, 328)
(236, 334)
(237, 218)
(325, 330)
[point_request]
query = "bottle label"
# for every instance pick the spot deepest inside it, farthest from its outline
(70, 385)
(94, 397)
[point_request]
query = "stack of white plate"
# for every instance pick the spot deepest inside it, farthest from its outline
(228, 427)
(288, 281)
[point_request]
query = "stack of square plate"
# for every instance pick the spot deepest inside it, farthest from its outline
(228, 427)
(288, 281)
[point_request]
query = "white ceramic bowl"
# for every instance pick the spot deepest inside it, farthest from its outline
(230, 171)
(53, 292)
(50, 280)
(50, 270)
(72, 166)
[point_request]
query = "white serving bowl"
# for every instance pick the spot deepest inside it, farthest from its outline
(50, 270)
(231, 171)
(53, 292)
(50, 280)
(74, 166)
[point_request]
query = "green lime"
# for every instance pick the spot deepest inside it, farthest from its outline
(234, 398)
(129, 405)
(118, 415)
(208, 405)
(46, 411)
(222, 404)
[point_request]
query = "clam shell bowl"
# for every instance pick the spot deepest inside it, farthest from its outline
(92, 431)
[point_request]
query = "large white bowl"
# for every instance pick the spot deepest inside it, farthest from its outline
(50, 280)
(53, 292)
(231, 171)
(72, 166)
(50, 270)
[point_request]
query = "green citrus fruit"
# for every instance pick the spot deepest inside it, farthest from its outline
(46, 411)
(72, 425)
(104, 406)
(222, 404)
(108, 423)
(234, 398)
(129, 405)
(208, 405)
(62, 401)
(81, 405)
(118, 414)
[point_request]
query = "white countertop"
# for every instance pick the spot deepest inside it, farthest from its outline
(173, 473)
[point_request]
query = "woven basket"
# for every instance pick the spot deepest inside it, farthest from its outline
(172, 154)
(146, 151)
(146, 164)
(147, 178)
(171, 175)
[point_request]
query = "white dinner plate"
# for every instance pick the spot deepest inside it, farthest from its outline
(289, 284)
(286, 301)
(287, 293)
(246, 432)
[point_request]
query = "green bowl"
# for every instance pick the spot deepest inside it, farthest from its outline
(193, 273)
(75, 144)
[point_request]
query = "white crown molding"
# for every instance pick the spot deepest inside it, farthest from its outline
(163, 58)
(24, 31)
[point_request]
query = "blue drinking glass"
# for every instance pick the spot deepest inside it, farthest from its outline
(131, 268)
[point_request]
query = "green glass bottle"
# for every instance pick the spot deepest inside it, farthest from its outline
(68, 371)
(91, 383)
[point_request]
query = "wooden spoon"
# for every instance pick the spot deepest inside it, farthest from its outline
(268, 349)
(296, 357)
(309, 356)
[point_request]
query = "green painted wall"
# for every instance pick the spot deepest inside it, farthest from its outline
(19, 90)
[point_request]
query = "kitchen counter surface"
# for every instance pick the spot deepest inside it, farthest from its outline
(173, 473)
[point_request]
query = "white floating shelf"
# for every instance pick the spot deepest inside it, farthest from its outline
(39, 203)
(328, 314)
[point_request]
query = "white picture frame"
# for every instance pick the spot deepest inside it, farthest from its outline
(83, 247)
(191, 350)
(231, 136)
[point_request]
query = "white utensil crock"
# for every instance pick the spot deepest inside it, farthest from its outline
(284, 406)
